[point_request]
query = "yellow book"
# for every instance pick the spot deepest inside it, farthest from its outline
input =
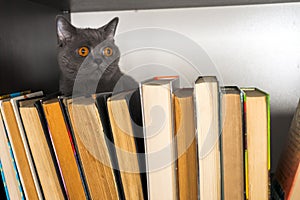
(187, 170)
(124, 132)
(62, 144)
(90, 140)
(257, 136)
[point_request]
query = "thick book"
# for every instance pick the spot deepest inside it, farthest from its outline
(206, 97)
(12, 180)
(18, 149)
(159, 130)
(126, 134)
(232, 150)
(63, 146)
(43, 156)
(187, 170)
(257, 143)
(9, 172)
(287, 176)
(14, 103)
(90, 140)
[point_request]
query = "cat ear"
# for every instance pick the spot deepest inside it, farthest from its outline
(110, 28)
(64, 30)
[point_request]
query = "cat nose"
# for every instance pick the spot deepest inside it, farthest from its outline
(98, 61)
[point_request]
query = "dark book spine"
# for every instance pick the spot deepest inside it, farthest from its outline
(101, 103)
(135, 110)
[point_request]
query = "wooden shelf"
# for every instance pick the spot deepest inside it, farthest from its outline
(110, 5)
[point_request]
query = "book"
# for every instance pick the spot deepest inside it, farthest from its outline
(125, 130)
(187, 170)
(19, 152)
(12, 184)
(62, 144)
(257, 143)
(206, 91)
(4, 192)
(90, 140)
(15, 94)
(14, 103)
(232, 150)
(43, 157)
(160, 147)
(12, 180)
(287, 176)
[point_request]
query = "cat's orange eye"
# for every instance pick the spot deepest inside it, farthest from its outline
(108, 51)
(83, 51)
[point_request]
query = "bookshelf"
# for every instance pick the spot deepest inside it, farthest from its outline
(28, 46)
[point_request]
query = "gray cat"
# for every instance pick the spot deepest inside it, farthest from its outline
(88, 60)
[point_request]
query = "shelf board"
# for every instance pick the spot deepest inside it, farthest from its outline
(111, 5)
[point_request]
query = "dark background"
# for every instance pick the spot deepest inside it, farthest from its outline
(28, 47)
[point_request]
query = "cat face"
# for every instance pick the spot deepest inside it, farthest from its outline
(88, 51)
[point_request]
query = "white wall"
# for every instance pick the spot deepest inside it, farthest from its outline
(249, 45)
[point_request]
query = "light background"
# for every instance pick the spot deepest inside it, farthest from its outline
(257, 45)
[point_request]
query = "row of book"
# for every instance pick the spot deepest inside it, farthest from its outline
(157, 142)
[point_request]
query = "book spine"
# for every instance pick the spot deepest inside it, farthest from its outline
(16, 171)
(101, 103)
(245, 146)
(16, 94)
(14, 165)
(4, 182)
(38, 106)
(74, 147)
